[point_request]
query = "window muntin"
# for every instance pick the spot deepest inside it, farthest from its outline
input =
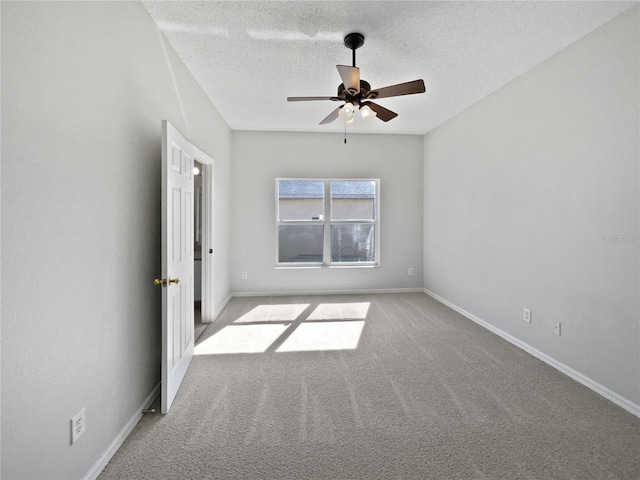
(327, 222)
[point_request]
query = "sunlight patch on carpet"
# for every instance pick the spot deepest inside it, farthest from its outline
(323, 336)
(273, 313)
(241, 339)
(340, 311)
(283, 328)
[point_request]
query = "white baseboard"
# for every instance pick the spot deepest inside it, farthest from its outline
(117, 442)
(218, 310)
(221, 307)
(326, 292)
(619, 400)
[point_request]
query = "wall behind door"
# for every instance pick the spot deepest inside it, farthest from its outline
(85, 86)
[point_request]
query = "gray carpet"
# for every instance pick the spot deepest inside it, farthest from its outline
(425, 394)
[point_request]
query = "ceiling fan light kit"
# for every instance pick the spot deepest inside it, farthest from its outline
(367, 114)
(348, 110)
(357, 93)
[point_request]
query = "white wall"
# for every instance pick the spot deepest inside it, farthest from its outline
(85, 86)
(532, 200)
(260, 157)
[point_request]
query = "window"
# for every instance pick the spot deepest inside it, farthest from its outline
(327, 222)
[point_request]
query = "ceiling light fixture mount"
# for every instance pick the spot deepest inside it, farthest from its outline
(356, 93)
(353, 41)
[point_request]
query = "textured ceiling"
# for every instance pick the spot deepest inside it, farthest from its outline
(250, 56)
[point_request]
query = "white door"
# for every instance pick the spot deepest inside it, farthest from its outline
(177, 261)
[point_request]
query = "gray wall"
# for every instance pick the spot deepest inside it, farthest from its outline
(532, 200)
(261, 157)
(85, 86)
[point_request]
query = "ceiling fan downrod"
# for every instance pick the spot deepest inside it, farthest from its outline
(353, 41)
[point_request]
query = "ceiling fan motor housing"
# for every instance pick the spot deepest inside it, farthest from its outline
(356, 98)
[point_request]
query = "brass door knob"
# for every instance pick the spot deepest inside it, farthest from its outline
(174, 281)
(162, 282)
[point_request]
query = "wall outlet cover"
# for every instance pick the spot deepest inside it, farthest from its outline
(78, 426)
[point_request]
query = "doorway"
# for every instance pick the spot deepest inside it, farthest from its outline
(204, 257)
(198, 326)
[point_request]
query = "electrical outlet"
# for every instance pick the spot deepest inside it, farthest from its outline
(78, 426)
(410, 272)
(244, 275)
(526, 315)
(557, 328)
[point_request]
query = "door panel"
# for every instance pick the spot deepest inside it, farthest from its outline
(177, 261)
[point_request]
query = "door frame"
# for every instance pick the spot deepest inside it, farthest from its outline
(208, 253)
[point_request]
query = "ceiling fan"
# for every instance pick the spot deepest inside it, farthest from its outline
(357, 93)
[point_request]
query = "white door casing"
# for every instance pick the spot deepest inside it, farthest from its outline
(208, 312)
(177, 261)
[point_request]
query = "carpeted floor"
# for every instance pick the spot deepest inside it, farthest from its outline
(388, 386)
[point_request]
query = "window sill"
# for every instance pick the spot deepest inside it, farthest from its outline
(318, 266)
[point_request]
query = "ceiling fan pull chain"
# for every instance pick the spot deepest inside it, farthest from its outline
(345, 133)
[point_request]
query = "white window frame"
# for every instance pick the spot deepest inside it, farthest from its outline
(327, 222)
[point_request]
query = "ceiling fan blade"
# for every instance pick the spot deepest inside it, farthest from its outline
(350, 78)
(382, 113)
(306, 99)
(408, 88)
(331, 117)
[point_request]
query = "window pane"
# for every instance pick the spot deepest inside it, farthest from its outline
(353, 200)
(300, 200)
(352, 243)
(300, 243)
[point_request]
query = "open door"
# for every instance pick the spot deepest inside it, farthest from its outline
(177, 261)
